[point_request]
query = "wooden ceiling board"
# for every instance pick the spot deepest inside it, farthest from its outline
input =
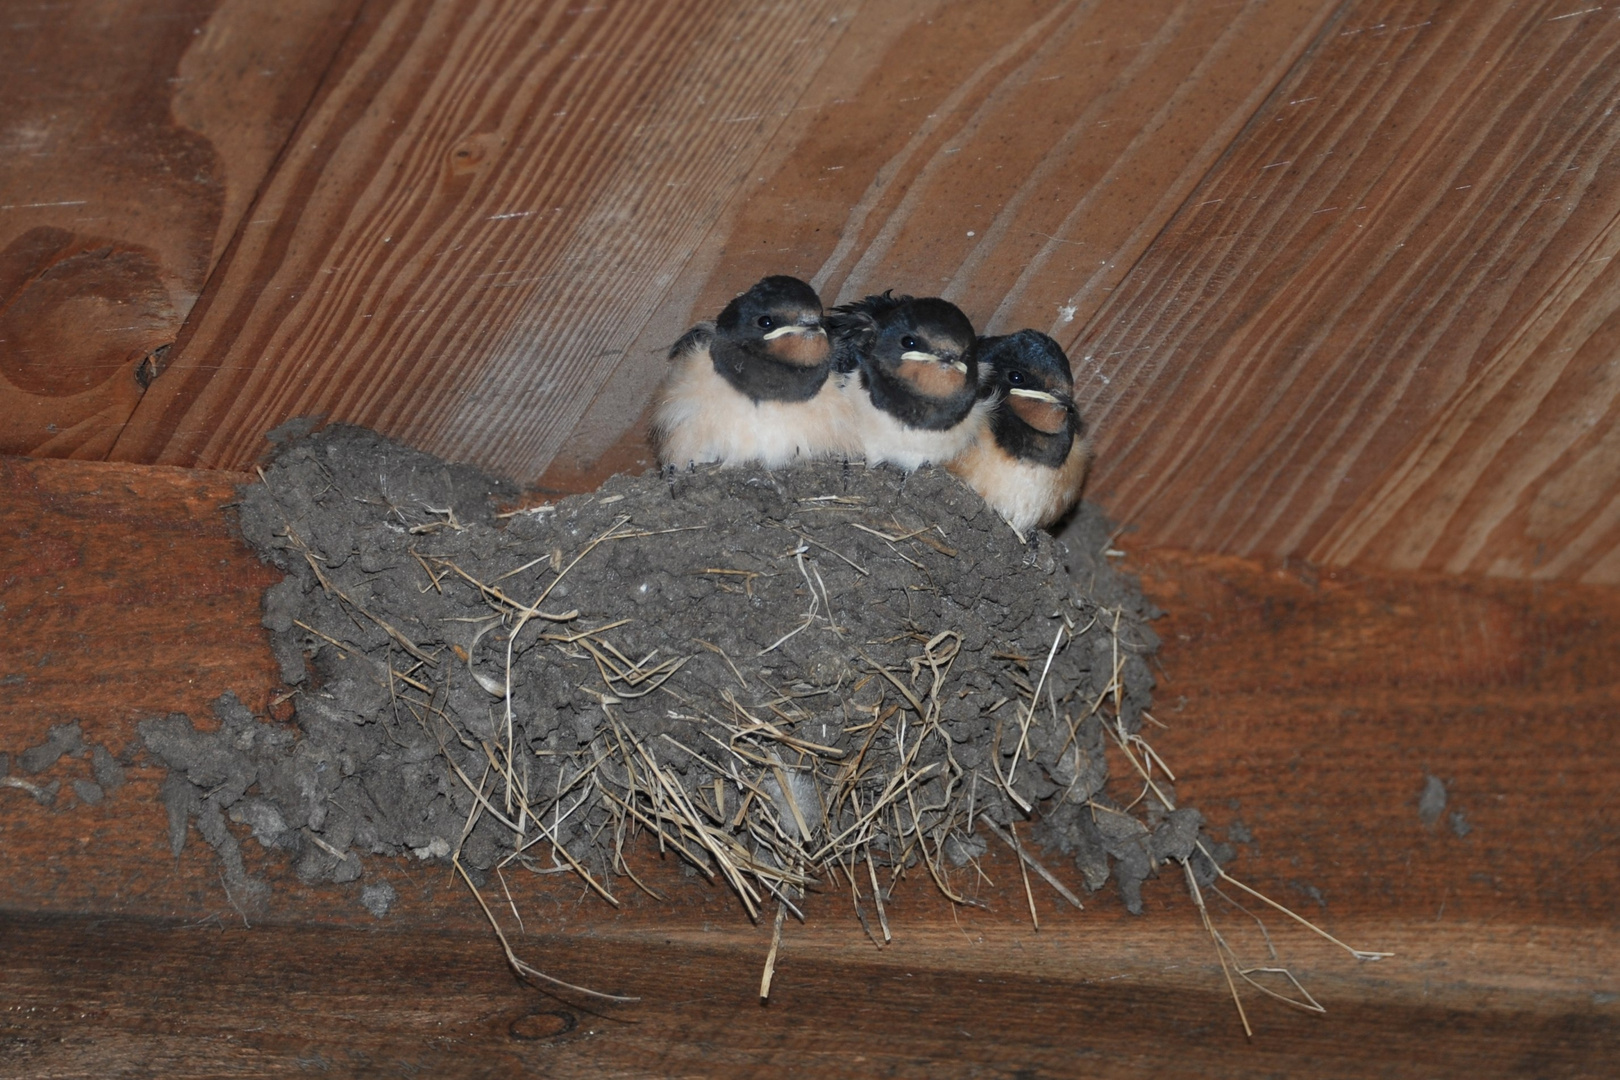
(1083, 132)
(1336, 278)
(489, 340)
(1400, 255)
(133, 136)
(476, 220)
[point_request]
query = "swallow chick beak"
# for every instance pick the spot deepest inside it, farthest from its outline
(929, 358)
(1039, 409)
(1063, 401)
(810, 330)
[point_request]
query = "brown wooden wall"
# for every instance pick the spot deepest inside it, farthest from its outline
(1337, 278)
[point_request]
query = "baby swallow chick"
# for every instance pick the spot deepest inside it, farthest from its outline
(753, 385)
(912, 377)
(1032, 463)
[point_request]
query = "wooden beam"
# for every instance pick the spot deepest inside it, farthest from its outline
(1306, 711)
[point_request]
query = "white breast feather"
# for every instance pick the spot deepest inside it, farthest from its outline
(700, 417)
(1026, 495)
(885, 439)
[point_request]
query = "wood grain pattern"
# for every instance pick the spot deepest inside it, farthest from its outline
(1380, 330)
(1338, 278)
(132, 138)
(476, 219)
(287, 1001)
(1305, 711)
(520, 318)
(144, 555)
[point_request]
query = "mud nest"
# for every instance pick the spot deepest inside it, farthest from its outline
(808, 679)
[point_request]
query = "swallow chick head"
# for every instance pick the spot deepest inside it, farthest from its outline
(769, 342)
(916, 356)
(1031, 464)
(1036, 420)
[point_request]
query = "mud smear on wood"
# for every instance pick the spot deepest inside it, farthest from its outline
(814, 679)
(66, 740)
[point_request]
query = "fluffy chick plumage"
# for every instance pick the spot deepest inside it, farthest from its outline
(754, 386)
(911, 375)
(1031, 463)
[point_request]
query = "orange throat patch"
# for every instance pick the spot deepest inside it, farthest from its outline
(800, 350)
(932, 379)
(1044, 416)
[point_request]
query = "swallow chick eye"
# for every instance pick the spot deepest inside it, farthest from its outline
(765, 322)
(1016, 378)
(908, 342)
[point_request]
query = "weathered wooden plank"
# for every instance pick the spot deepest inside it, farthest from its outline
(518, 316)
(1299, 689)
(1318, 702)
(218, 1000)
(134, 137)
(476, 218)
(1379, 331)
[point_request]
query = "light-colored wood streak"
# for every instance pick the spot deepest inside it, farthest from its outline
(477, 219)
(1345, 344)
(133, 136)
(1018, 161)
(1517, 473)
